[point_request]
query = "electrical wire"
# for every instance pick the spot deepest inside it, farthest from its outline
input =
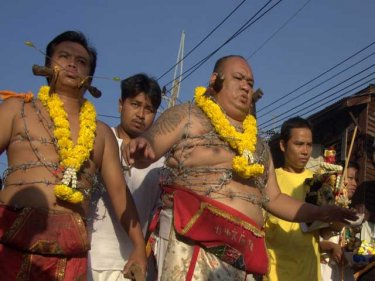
(329, 102)
(317, 77)
(320, 94)
(321, 83)
(294, 113)
(278, 30)
(245, 26)
(204, 39)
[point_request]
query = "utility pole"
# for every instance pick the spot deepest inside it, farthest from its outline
(175, 91)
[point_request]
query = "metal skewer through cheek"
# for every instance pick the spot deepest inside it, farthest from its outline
(53, 74)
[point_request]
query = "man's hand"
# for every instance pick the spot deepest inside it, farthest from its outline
(135, 268)
(336, 253)
(333, 249)
(332, 213)
(140, 150)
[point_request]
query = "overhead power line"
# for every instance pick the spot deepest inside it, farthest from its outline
(245, 26)
(343, 94)
(293, 113)
(278, 30)
(327, 103)
(204, 39)
(315, 78)
(320, 94)
(318, 85)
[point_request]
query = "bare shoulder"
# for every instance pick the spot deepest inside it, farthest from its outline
(105, 141)
(11, 106)
(170, 122)
(103, 128)
(10, 124)
(170, 119)
(176, 118)
(10, 110)
(103, 132)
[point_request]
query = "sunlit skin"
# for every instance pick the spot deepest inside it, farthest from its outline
(235, 99)
(351, 181)
(73, 61)
(137, 115)
(297, 150)
(238, 82)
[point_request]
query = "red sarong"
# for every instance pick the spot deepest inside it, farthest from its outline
(37, 244)
(220, 230)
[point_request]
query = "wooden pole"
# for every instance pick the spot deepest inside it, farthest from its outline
(347, 158)
(343, 179)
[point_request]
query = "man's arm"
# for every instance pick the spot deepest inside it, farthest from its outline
(159, 138)
(290, 209)
(120, 197)
(8, 110)
(333, 249)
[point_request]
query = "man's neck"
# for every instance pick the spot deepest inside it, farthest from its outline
(72, 105)
(122, 134)
(72, 99)
(293, 170)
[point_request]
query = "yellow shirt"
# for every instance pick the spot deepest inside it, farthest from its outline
(294, 255)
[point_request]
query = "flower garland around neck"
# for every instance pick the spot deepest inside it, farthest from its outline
(71, 156)
(244, 143)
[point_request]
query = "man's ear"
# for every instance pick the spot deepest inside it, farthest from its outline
(282, 145)
(120, 105)
(213, 78)
(217, 82)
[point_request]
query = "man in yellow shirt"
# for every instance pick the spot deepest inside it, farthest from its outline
(294, 255)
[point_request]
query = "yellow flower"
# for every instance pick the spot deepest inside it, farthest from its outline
(76, 197)
(70, 155)
(241, 142)
(63, 191)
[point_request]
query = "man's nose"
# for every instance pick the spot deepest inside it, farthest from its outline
(305, 149)
(72, 62)
(245, 86)
(141, 112)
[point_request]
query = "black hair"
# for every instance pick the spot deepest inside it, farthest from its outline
(76, 37)
(141, 83)
(293, 123)
(351, 164)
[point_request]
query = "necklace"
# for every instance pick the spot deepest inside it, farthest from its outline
(244, 143)
(71, 156)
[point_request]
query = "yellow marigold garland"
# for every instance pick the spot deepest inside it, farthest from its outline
(244, 143)
(71, 156)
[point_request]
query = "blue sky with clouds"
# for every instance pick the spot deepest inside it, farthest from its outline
(294, 42)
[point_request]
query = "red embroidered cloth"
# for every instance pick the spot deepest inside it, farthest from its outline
(219, 229)
(38, 244)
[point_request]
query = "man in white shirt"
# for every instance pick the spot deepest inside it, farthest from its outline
(110, 246)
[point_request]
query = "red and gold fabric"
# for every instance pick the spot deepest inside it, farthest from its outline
(38, 244)
(217, 235)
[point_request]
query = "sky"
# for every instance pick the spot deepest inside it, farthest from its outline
(289, 45)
